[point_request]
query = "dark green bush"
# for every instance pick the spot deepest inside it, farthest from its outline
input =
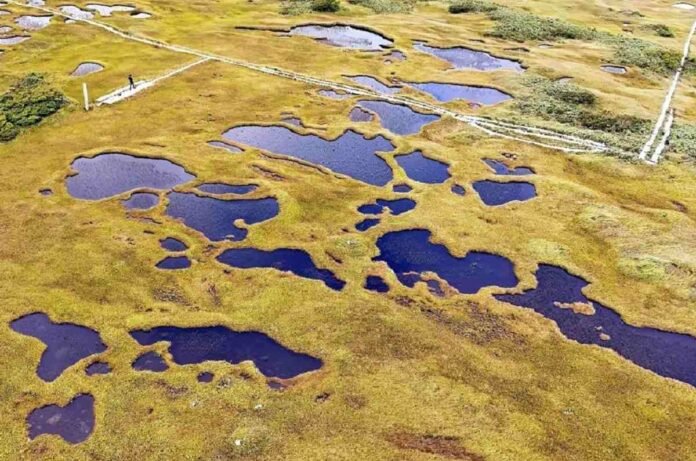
(644, 55)
(662, 30)
(472, 6)
(521, 26)
(26, 103)
(326, 6)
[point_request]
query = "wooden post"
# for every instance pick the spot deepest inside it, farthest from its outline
(86, 96)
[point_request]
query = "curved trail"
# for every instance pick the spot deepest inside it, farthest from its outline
(522, 133)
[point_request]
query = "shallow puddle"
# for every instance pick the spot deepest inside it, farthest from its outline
(458, 190)
(174, 263)
(218, 188)
(111, 174)
(466, 58)
(66, 343)
(141, 201)
(351, 154)
(663, 352)
(402, 188)
(395, 55)
(613, 69)
(420, 168)
(376, 283)
(87, 68)
(375, 84)
(501, 168)
(98, 368)
(33, 22)
(215, 218)
(495, 193)
(150, 361)
(14, 40)
(446, 92)
(283, 259)
(397, 118)
(410, 253)
(74, 422)
(344, 36)
(200, 344)
(332, 94)
(172, 244)
(205, 377)
(358, 114)
(224, 145)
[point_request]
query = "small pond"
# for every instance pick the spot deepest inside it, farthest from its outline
(108, 10)
(446, 92)
(502, 169)
(396, 206)
(33, 22)
(351, 154)
(174, 263)
(466, 58)
(376, 283)
(295, 261)
(172, 244)
(358, 114)
(218, 343)
(397, 118)
(613, 69)
(74, 422)
(494, 193)
(420, 168)
(13, 40)
(98, 368)
(215, 218)
(141, 201)
(374, 84)
(150, 361)
(87, 68)
(366, 224)
(410, 253)
(458, 189)
(66, 343)
(344, 36)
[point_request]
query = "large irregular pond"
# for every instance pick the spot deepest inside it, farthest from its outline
(397, 118)
(344, 36)
(420, 168)
(466, 58)
(494, 193)
(74, 422)
(218, 343)
(558, 296)
(283, 259)
(446, 92)
(215, 218)
(111, 174)
(66, 343)
(351, 154)
(410, 253)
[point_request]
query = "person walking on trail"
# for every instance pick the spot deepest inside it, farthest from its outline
(131, 82)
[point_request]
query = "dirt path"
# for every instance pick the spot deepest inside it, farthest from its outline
(521, 133)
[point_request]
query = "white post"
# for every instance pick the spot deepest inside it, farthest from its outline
(85, 94)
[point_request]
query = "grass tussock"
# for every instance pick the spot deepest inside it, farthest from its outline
(386, 6)
(26, 103)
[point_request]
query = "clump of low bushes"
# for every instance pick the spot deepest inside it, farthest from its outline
(386, 6)
(326, 6)
(662, 30)
(26, 103)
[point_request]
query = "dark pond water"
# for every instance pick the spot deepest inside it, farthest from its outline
(366, 224)
(446, 92)
(396, 206)
(174, 262)
(358, 114)
(150, 361)
(613, 69)
(205, 377)
(172, 244)
(215, 217)
(224, 145)
(376, 283)
(375, 84)
(495, 193)
(141, 201)
(33, 22)
(350, 154)
(66, 343)
(334, 94)
(74, 422)
(502, 169)
(420, 168)
(87, 68)
(466, 58)
(402, 188)
(111, 174)
(410, 253)
(200, 344)
(665, 353)
(98, 368)
(397, 118)
(458, 189)
(283, 259)
(344, 36)
(218, 188)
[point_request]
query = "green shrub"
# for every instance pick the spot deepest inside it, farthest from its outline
(386, 6)
(472, 6)
(662, 30)
(26, 103)
(326, 6)
(521, 26)
(644, 55)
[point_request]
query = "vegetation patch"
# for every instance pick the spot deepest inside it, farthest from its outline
(26, 103)
(386, 6)
(326, 6)
(662, 30)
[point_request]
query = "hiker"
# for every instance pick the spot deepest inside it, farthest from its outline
(131, 82)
